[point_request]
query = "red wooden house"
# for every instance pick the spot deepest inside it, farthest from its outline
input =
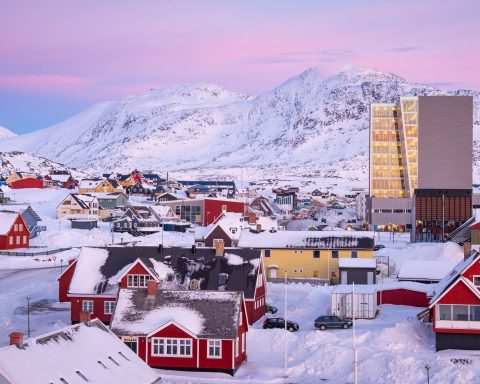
(14, 232)
(455, 307)
(28, 182)
(214, 207)
(183, 330)
(91, 283)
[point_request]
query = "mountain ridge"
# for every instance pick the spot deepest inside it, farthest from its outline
(307, 128)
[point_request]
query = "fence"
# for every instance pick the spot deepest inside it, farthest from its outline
(312, 281)
(40, 253)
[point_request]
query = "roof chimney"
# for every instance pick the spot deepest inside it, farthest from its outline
(85, 317)
(219, 247)
(152, 288)
(16, 338)
(252, 218)
(259, 227)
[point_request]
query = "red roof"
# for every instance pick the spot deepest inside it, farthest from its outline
(475, 225)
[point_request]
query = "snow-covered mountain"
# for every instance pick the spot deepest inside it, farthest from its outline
(308, 128)
(26, 162)
(4, 133)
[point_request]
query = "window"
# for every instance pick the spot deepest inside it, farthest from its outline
(134, 281)
(237, 346)
(18, 239)
(15, 228)
(460, 312)
(267, 252)
(24, 239)
(476, 280)
(87, 306)
(10, 240)
(20, 227)
(194, 285)
(354, 254)
(316, 254)
(171, 347)
(170, 277)
(108, 307)
(334, 254)
(214, 348)
(243, 342)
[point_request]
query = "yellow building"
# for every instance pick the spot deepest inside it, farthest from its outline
(99, 186)
(308, 254)
(14, 176)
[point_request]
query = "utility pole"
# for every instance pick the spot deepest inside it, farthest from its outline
(355, 355)
(28, 316)
(285, 357)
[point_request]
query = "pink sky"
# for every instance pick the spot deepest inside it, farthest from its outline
(88, 51)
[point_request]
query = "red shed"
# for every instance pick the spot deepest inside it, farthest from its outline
(190, 330)
(29, 182)
(404, 293)
(14, 232)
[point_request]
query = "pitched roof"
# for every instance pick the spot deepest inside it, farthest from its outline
(89, 350)
(6, 221)
(89, 183)
(453, 276)
(83, 200)
(21, 208)
(205, 314)
(241, 266)
(307, 239)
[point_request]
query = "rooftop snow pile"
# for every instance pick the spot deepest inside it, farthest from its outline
(87, 277)
(203, 313)
(425, 270)
(307, 239)
(75, 351)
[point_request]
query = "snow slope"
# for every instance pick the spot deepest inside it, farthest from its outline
(319, 127)
(26, 162)
(5, 133)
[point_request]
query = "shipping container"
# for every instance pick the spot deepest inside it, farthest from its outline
(362, 303)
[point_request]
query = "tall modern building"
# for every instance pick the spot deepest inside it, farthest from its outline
(421, 165)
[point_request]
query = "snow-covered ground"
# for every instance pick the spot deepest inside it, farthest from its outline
(59, 233)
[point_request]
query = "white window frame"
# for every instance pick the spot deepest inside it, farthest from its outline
(18, 239)
(135, 280)
(24, 239)
(217, 346)
(243, 342)
(20, 227)
(110, 305)
(237, 347)
(10, 240)
(15, 228)
(86, 303)
(165, 342)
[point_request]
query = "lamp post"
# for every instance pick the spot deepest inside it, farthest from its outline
(427, 367)
(28, 316)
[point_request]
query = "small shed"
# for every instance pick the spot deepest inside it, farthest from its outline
(362, 302)
(358, 271)
(84, 224)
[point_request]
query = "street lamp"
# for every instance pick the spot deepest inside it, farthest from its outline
(28, 316)
(427, 367)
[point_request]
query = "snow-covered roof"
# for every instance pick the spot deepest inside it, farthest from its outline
(89, 183)
(356, 263)
(206, 314)
(359, 288)
(425, 270)
(307, 239)
(411, 285)
(6, 221)
(453, 275)
(78, 350)
(63, 178)
(99, 269)
(161, 210)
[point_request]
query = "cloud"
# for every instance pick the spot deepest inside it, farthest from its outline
(407, 48)
(323, 55)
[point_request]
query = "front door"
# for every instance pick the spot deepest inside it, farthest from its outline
(343, 277)
(273, 273)
(369, 277)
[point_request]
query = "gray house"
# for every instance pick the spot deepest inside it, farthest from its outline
(30, 216)
(137, 221)
(112, 200)
(358, 271)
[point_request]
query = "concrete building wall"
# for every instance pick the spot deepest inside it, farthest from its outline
(383, 211)
(445, 137)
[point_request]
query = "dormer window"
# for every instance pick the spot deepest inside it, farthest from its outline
(476, 280)
(170, 277)
(194, 284)
(222, 279)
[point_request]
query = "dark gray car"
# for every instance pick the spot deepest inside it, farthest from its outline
(324, 322)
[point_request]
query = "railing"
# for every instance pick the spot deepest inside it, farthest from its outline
(308, 280)
(47, 252)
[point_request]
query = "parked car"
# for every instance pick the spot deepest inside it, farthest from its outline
(324, 322)
(323, 220)
(279, 322)
(271, 309)
(378, 247)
